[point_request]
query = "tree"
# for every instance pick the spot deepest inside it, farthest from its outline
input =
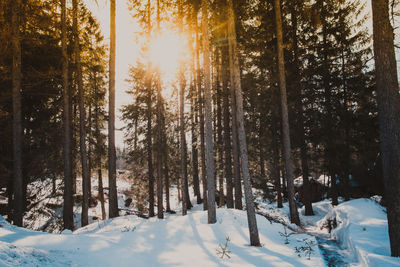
(294, 216)
(389, 121)
(208, 117)
(236, 83)
(299, 106)
(68, 200)
(112, 168)
(17, 120)
(160, 209)
(82, 117)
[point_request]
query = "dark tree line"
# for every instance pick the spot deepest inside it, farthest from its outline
(52, 84)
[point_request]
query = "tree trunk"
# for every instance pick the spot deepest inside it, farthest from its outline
(389, 120)
(299, 106)
(112, 161)
(208, 117)
(149, 140)
(165, 163)
(236, 83)
(294, 215)
(98, 154)
(160, 208)
(227, 132)
(195, 154)
(261, 129)
(68, 200)
(150, 152)
(220, 168)
(182, 147)
(90, 156)
(200, 103)
(275, 157)
(17, 117)
(82, 117)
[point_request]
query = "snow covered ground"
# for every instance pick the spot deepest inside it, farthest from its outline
(359, 238)
(174, 241)
(359, 232)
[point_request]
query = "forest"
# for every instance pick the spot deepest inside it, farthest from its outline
(240, 118)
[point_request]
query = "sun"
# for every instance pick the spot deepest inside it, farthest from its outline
(166, 52)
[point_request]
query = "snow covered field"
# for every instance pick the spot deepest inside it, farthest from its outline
(359, 239)
(174, 241)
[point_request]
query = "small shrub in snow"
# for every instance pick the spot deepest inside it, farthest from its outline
(128, 229)
(306, 249)
(223, 251)
(286, 235)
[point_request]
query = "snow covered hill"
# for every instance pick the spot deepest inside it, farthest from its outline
(174, 241)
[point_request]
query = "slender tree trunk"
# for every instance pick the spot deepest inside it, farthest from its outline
(82, 117)
(150, 153)
(195, 154)
(389, 120)
(208, 117)
(165, 163)
(112, 161)
(160, 208)
(299, 106)
(294, 215)
(194, 112)
(236, 83)
(200, 103)
(98, 155)
(235, 151)
(346, 152)
(261, 129)
(17, 117)
(182, 85)
(68, 200)
(275, 157)
(90, 156)
(149, 140)
(227, 132)
(220, 168)
(235, 147)
(186, 180)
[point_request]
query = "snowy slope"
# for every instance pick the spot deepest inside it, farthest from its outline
(174, 241)
(362, 229)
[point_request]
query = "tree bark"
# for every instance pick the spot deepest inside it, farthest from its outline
(112, 161)
(82, 117)
(275, 157)
(220, 168)
(195, 152)
(227, 132)
(294, 215)
(98, 154)
(389, 120)
(208, 117)
(149, 140)
(236, 83)
(17, 117)
(201, 115)
(68, 200)
(299, 106)
(160, 208)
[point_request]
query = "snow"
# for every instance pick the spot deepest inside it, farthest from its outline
(359, 239)
(174, 241)
(362, 229)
